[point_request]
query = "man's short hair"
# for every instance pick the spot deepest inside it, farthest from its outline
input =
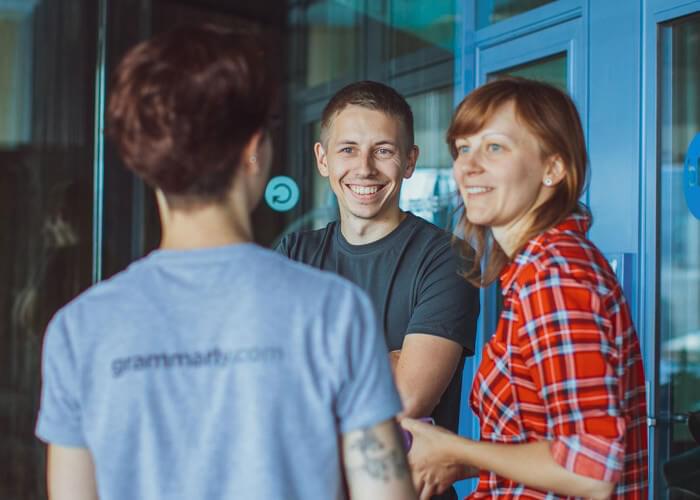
(185, 103)
(371, 95)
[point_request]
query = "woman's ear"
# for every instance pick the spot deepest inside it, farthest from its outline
(554, 171)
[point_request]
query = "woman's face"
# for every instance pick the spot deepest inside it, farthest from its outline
(500, 172)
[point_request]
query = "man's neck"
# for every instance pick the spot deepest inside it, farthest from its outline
(358, 231)
(204, 227)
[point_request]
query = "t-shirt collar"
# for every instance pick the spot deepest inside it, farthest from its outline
(577, 223)
(381, 244)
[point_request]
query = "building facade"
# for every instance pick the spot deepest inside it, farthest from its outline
(70, 215)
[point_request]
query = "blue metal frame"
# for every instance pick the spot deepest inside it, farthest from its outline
(98, 156)
(548, 30)
(656, 12)
(612, 49)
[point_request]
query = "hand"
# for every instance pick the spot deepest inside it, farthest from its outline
(433, 466)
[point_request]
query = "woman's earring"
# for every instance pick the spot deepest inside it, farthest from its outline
(548, 181)
(253, 159)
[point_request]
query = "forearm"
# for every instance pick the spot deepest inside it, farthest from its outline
(424, 369)
(375, 464)
(70, 474)
(531, 464)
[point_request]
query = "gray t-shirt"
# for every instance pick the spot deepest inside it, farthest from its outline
(217, 373)
(412, 277)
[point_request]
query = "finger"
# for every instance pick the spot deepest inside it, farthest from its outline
(410, 424)
(427, 492)
(418, 483)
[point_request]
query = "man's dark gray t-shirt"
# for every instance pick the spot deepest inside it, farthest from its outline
(411, 276)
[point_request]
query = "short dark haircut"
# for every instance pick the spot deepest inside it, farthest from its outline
(371, 95)
(184, 104)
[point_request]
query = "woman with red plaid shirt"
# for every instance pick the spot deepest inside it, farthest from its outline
(560, 392)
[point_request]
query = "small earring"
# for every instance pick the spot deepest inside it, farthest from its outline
(548, 181)
(253, 159)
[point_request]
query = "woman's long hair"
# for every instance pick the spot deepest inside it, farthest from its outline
(551, 116)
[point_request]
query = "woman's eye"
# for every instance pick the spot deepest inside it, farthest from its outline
(464, 150)
(494, 148)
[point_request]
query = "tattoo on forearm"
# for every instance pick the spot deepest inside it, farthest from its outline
(379, 460)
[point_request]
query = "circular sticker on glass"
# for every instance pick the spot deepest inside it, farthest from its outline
(691, 177)
(282, 193)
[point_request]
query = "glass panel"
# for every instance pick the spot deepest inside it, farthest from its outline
(492, 11)
(430, 192)
(47, 54)
(322, 205)
(551, 69)
(332, 38)
(679, 234)
(418, 25)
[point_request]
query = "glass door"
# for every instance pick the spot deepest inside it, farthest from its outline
(47, 108)
(678, 296)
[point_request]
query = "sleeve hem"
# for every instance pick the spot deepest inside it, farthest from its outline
(369, 420)
(50, 434)
(442, 334)
(591, 456)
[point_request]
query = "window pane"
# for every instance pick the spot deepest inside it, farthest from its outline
(678, 232)
(413, 26)
(322, 206)
(430, 192)
(550, 69)
(492, 11)
(333, 33)
(47, 54)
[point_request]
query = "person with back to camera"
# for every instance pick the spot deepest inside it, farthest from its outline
(201, 371)
(560, 391)
(406, 264)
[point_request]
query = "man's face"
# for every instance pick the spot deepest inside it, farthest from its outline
(366, 159)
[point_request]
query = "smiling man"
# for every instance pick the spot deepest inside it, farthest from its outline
(404, 263)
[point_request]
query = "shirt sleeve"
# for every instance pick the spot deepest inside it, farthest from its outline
(446, 305)
(567, 343)
(367, 395)
(59, 421)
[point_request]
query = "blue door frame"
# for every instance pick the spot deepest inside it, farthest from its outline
(612, 76)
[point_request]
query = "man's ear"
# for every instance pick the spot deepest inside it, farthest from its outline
(321, 159)
(554, 170)
(411, 162)
(249, 156)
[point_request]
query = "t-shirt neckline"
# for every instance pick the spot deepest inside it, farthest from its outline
(382, 244)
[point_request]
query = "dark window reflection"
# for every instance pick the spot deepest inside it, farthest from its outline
(47, 55)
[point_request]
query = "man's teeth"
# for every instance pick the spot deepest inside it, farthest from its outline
(477, 190)
(364, 189)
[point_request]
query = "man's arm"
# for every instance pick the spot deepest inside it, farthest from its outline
(423, 370)
(375, 463)
(70, 474)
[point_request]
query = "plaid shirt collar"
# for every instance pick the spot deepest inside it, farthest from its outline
(573, 223)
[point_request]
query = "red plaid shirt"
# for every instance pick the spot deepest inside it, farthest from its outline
(564, 365)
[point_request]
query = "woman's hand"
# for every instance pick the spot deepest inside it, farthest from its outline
(434, 466)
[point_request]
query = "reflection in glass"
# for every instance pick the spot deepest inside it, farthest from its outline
(324, 207)
(413, 26)
(492, 11)
(47, 50)
(679, 231)
(430, 193)
(332, 38)
(551, 69)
